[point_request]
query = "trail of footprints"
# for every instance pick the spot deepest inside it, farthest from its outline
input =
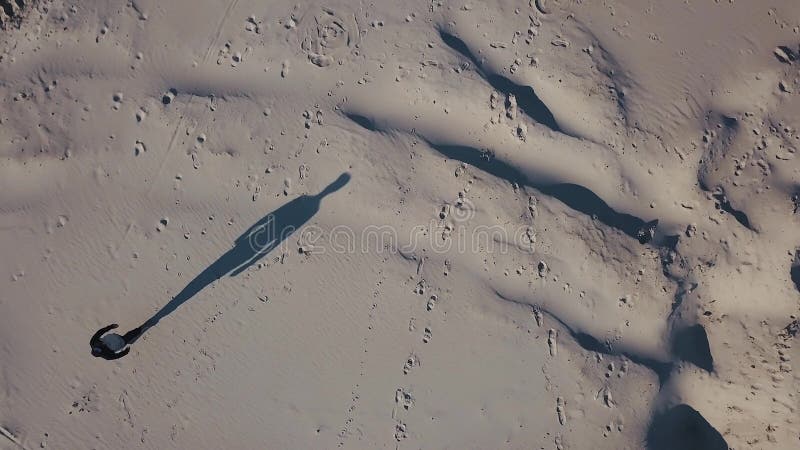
(404, 398)
(603, 395)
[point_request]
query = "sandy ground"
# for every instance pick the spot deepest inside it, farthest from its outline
(557, 224)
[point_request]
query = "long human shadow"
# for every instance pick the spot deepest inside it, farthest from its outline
(252, 245)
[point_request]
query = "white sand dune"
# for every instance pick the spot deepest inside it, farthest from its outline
(448, 224)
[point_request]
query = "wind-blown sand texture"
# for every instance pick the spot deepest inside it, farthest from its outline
(560, 224)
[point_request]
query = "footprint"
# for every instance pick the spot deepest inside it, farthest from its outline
(84, 404)
(162, 224)
(432, 302)
(552, 344)
(139, 148)
(404, 398)
(511, 107)
(605, 394)
(169, 96)
(252, 25)
(285, 68)
(610, 370)
(494, 100)
(400, 431)
(537, 314)
(530, 238)
(612, 426)
(116, 101)
(426, 336)
(303, 171)
(542, 269)
(560, 410)
(412, 361)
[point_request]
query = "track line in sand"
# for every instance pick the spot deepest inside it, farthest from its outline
(217, 33)
(11, 438)
(211, 46)
(166, 153)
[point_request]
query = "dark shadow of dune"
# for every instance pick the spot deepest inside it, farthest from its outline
(690, 344)
(590, 343)
(575, 196)
(527, 100)
(362, 121)
(683, 428)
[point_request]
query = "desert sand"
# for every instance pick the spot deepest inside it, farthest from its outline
(555, 224)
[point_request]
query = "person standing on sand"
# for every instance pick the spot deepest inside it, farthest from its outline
(113, 346)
